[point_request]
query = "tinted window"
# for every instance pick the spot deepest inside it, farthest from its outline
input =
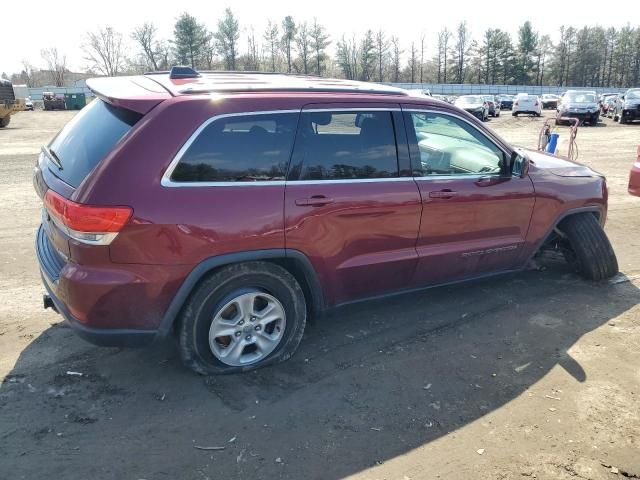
(87, 139)
(245, 148)
(347, 145)
(449, 146)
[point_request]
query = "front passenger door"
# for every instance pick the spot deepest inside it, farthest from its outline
(475, 215)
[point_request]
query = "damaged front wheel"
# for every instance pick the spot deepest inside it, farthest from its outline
(593, 255)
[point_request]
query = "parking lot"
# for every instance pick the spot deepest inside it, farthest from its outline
(529, 375)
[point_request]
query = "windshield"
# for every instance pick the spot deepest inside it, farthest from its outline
(633, 94)
(470, 99)
(87, 139)
(576, 97)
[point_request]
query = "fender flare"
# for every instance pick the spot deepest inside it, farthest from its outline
(211, 263)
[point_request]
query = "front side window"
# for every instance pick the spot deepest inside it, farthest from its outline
(347, 145)
(446, 145)
(245, 148)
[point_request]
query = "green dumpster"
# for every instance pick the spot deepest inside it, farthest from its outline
(74, 101)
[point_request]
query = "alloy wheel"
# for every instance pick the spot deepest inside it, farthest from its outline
(247, 329)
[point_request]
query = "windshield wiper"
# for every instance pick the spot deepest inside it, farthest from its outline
(52, 156)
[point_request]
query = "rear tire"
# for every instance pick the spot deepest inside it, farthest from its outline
(594, 257)
(203, 350)
(5, 121)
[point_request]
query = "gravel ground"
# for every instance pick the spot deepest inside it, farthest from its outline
(530, 375)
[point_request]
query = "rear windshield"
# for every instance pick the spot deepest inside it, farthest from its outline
(87, 139)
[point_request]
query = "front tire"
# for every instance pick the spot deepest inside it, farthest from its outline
(594, 257)
(5, 121)
(242, 317)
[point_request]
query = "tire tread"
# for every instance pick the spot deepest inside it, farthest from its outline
(596, 259)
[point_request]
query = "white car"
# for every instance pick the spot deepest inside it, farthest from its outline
(525, 103)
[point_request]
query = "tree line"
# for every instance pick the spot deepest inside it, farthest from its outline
(587, 56)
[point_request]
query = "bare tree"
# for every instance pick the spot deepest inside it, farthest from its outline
(164, 54)
(271, 37)
(443, 48)
(104, 51)
(27, 73)
(303, 45)
(253, 52)
(56, 64)
(413, 62)
(396, 52)
(382, 53)
(209, 51)
(145, 37)
(421, 57)
(460, 50)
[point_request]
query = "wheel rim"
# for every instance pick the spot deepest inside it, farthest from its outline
(247, 329)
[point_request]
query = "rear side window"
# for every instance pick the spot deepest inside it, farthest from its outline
(347, 145)
(245, 148)
(88, 138)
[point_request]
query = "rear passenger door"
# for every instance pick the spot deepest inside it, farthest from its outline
(351, 204)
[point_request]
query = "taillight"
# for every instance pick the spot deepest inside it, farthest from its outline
(87, 223)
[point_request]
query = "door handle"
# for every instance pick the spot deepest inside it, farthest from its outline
(443, 194)
(315, 201)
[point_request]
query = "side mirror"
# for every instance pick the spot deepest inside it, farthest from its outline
(621, 97)
(519, 165)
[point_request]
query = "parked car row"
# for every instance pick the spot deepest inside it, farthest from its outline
(585, 105)
(623, 108)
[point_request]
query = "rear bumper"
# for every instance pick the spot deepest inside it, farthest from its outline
(114, 304)
(116, 337)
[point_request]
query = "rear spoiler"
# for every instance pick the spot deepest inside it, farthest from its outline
(138, 94)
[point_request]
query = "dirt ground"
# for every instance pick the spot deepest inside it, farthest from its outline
(531, 375)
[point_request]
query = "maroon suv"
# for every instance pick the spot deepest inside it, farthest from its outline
(227, 208)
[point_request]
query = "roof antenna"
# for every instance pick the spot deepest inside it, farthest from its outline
(183, 72)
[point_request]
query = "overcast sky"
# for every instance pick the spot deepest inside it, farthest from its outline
(34, 25)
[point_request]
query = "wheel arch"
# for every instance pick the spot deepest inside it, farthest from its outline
(596, 210)
(294, 261)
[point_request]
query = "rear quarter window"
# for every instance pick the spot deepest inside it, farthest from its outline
(243, 148)
(88, 138)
